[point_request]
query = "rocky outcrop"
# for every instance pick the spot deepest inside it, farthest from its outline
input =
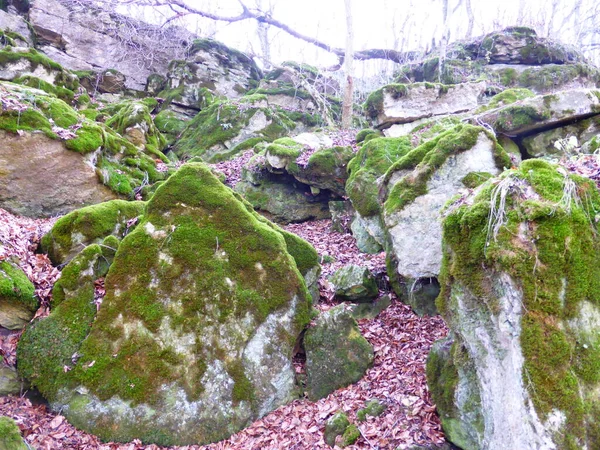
(80, 37)
(336, 353)
(417, 186)
(511, 58)
(194, 338)
(543, 112)
(17, 297)
(209, 69)
(520, 368)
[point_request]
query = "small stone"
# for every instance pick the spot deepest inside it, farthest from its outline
(355, 284)
(335, 426)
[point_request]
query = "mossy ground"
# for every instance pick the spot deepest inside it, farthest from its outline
(557, 264)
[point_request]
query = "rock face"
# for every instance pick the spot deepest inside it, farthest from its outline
(400, 103)
(194, 338)
(17, 299)
(519, 294)
(50, 181)
(82, 38)
(293, 182)
(336, 353)
(418, 186)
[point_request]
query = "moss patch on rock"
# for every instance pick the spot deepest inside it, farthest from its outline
(17, 297)
(336, 353)
(371, 162)
(89, 225)
(10, 435)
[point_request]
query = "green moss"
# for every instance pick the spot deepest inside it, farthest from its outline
(506, 97)
(374, 104)
(63, 93)
(90, 138)
(335, 426)
(10, 435)
(350, 436)
(49, 344)
(170, 124)
(373, 408)
(15, 287)
(428, 157)
(371, 162)
(32, 55)
(517, 117)
(89, 225)
(474, 179)
(557, 265)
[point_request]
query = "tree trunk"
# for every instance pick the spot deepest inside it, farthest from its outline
(471, 19)
(444, 40)
(348, 69)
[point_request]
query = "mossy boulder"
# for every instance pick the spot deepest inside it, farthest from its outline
(543, 111)
(520, 296)
(355, 284)
(416, 188)
(89, 225)
(17, 297)
(373, 408)
(336, 353)
(10, 435)
(404, 103)
(10, 384)
(18, 62)
(335, 426)
(170, 124)
(195, 336)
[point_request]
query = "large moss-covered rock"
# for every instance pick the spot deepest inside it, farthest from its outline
(520, 294)
(10, 435)
(354, 283)
(194, 338)
(417, 186)
(17, 297)
(336, 353)
(89, 225)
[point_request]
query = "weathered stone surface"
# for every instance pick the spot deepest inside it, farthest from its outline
(89, 225)
(9, 381)
(522, 370)
(84, 38)
(369, 233)
(542, 112)
(50, 181)
(334, 427)
(354, 283)
(418, 186)
(581, 136)
(194, 338)
(16, 24)
(399, 103)
(336, 353)
(17, 297)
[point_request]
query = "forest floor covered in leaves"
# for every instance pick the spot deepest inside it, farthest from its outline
(401, 341)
